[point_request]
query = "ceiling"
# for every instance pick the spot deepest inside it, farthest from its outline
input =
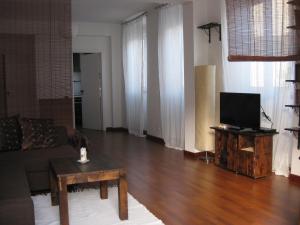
(113, 11)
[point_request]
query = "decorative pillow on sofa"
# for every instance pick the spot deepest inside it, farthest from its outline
(37, 133)
(60, 136)
(10, 134)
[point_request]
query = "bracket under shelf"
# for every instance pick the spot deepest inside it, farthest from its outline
(297, 131)
(207, 29)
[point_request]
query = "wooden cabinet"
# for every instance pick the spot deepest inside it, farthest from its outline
(247, 153)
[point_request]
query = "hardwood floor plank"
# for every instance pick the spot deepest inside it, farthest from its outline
(183, 191)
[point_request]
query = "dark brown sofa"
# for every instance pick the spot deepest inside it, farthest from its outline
(16, 206)
(36, 163)
(23, 172)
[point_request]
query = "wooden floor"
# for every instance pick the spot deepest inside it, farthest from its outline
(182, 191)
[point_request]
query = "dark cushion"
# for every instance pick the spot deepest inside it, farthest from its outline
(37, 133)
(60, 136)
(10, 134)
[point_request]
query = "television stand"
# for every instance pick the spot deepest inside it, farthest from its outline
(247, 152)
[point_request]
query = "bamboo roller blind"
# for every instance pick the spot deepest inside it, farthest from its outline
(263, 30)
(36, 50)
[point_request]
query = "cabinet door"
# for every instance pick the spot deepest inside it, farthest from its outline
(232, 146)
(263, 156)
(245, 163)
(220, 145)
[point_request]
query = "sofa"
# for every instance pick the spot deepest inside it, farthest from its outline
(25, 171)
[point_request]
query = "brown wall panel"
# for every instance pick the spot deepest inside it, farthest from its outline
(58, 109)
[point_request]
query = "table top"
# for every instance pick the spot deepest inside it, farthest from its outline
(70, 166)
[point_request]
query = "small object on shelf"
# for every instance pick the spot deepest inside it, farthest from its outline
(207, 29)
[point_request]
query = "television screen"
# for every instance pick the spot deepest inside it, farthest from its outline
(240, 109)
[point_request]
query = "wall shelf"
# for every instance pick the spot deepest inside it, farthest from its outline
(293, 129)
(296, 105)
(293, 81)
(207, 29)
(295, 3)
(294, 27)
(293, 106)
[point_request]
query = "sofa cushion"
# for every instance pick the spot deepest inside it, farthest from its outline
(38, 159)
(36, 163)
(37, 133)
(13, 181)
(60, 136)
(10, 134)
(15, 195)
(19, 211)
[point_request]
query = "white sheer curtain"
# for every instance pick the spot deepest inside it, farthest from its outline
(171, 75)
(135, 74)
(268, 79)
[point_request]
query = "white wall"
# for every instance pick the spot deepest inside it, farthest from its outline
(204, 11)
(105, 38)
(189, 80)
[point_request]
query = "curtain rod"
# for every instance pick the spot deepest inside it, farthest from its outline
(146, 12)
(135, 18)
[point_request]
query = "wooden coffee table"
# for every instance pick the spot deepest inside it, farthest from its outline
(66, 171)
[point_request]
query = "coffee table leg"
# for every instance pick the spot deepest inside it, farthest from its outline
(103, 190)
(53, 185)
(63, 202)
(123, 204)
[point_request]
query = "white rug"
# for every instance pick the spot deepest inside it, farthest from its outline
(86, 208)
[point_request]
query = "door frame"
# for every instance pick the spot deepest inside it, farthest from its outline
(92, 44)
(101, 86)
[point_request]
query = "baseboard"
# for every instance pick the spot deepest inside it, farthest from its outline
(294, 178)
(155, 139)
(116, 129)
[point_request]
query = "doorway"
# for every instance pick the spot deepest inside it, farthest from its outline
(87, 90)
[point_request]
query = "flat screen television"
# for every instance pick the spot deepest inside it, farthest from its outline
(240, 110)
